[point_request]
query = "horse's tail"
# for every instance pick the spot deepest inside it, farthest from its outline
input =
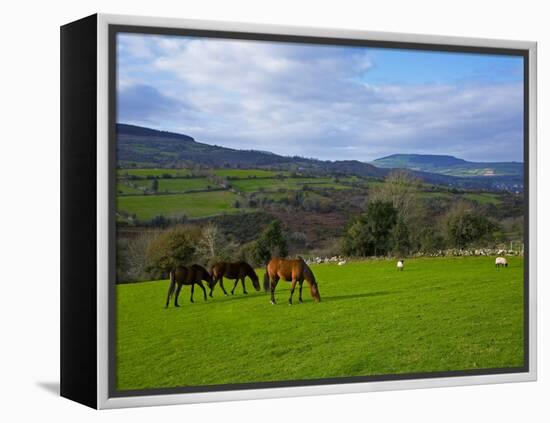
(310, 277)
(171, 288)
(267, 282)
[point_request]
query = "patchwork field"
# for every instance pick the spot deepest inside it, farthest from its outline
(179, 185)
(143, 173)
(248, 173)
(253, 185)
(199, 191)
(439, 314)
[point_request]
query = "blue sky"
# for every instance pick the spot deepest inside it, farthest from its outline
(327, 102)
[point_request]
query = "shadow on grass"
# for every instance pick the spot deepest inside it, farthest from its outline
(230, 298)
(240, 296)
(218, 299)
(359, 295)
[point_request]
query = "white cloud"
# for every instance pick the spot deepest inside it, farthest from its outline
(314, 101)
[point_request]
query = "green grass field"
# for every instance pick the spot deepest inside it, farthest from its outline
(259, 182)
(143, 173)
(170, 205)
(247, 173)
(483, 198)
(179, 185)
(125, 189)
(439, 314)
(255, 185)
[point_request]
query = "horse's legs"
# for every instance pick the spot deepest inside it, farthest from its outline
(221, 285)
(301, 286)
(273, 286)
(192, 291)
(170, 291)
(244, 288)
(212, 285)
(292, 291)
(199, 283)
(215, 280)
(234, 286)
(177, 295)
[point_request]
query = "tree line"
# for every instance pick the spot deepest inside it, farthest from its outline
(395, 220)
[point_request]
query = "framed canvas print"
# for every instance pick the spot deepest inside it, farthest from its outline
(254, 211)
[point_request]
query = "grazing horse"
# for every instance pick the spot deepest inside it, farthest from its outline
(290, 270)
(237, 271)
(187, 275)
(500, 262)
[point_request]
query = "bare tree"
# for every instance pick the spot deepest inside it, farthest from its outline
(137, 248)
(401, 189)
(212, 241)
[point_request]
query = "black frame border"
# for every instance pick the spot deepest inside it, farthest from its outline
(78, 211)
(114, 29)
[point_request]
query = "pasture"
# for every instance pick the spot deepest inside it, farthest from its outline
(143, 173)
(439, 314)
(199, 196)
(171, 205)
(253, 185)
(248, 173)
(483, 198)
(179, 184)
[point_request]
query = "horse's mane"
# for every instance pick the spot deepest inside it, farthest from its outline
(199, 267)
(249, 269)
(309, 273)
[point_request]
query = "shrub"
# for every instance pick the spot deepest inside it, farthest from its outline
(371, 232)
(465, 226)
(172, 247)
(271, 243)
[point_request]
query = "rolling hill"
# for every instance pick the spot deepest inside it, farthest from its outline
(145, 147)
(449, 165)
(148, 148)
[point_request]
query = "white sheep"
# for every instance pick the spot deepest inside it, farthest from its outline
(501, 262)
(400, 264)
(341, 263)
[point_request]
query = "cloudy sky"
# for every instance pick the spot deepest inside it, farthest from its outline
(326, 102)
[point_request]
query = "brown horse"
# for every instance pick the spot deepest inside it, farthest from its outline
(187, 275)
(289, 270)
(237, 271)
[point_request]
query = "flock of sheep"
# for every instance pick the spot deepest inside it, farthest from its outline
(499, 261)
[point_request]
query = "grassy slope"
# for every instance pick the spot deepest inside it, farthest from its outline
(442, 165)
(179, 185)
(124, 188)
(483, 198)
(192, 205)
(439, 314)
(152, 172)
(245, 173)
(253, 185)
(207, 204)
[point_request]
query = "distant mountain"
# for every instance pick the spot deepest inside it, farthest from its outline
(149, 147)
(145, 147)
(449, 165)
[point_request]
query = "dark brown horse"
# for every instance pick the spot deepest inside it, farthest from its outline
(289, 270)
(237, 271)
(187, 275)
